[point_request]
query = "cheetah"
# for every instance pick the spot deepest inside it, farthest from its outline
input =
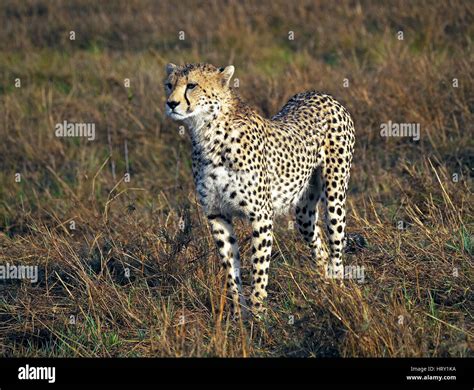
(245, 165)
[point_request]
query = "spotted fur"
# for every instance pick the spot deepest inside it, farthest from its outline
(250, 166)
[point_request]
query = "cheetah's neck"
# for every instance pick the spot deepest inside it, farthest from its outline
(205, 132)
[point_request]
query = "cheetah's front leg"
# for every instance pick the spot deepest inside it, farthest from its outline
(226, 242)
(262, 240)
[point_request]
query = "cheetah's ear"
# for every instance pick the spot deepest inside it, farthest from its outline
(170, 68)
(227, 74)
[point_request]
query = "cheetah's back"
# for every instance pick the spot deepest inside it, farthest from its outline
(310, 128)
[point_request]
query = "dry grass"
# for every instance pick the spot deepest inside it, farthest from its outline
(417, 298)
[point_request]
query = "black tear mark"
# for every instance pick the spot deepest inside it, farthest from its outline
(186, 97)
(185, 92)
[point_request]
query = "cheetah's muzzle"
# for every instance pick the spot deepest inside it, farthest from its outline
(244, 164)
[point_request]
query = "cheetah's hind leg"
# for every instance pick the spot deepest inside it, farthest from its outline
(307, 219)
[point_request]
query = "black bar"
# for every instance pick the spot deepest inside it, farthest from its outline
(367, 371)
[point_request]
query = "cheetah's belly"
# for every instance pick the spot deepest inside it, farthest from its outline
(289, 185)
(286, 194)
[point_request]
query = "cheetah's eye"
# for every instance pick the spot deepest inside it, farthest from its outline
(191, 86)
(168, 85)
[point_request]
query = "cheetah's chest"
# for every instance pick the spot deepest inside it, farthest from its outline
(221, 189)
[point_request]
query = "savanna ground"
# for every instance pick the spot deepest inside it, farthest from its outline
(129, 268)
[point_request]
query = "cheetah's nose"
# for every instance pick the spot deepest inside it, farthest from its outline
(172, 105)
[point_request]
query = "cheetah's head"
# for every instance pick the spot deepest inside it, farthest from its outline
(196, 92)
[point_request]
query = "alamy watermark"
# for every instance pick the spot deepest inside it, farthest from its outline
(69, 129)
(392, 129)
(37, 373)
(355, 272)
(11, 271)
